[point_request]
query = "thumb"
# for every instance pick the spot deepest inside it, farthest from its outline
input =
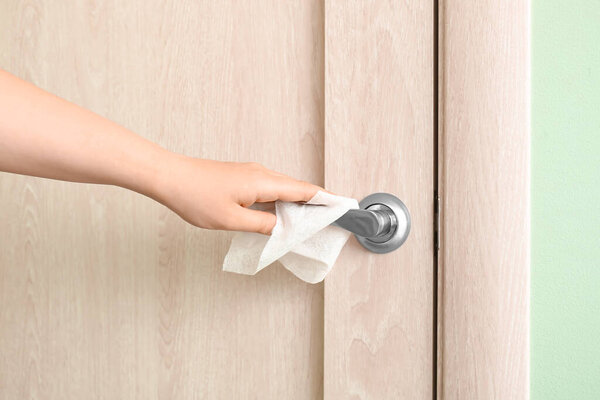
(249, 220)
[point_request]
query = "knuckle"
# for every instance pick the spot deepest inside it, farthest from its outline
(257, 176)
(253, 172)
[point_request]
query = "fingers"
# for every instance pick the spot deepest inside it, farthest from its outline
(289, 189)
(285, 188)
(274, 185)
(248, 220)
(264, 185)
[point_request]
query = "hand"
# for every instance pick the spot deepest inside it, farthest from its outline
(216, 195)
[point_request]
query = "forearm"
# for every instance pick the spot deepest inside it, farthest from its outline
(43, 135)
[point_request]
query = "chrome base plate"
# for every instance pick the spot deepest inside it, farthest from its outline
(396, 237)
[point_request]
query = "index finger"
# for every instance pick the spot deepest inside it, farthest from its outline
(285, 188)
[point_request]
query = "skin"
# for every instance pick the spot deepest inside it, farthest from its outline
(45, 136)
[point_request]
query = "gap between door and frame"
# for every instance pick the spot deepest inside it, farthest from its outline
(436, 200)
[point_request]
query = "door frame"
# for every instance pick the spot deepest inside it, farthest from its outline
(483, 187)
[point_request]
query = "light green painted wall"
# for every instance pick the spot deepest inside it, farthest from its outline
(565, 313)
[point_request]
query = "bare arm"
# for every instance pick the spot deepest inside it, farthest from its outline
(43, 135)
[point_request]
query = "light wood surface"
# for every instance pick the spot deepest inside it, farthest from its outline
(106, 294)
(483, 347)
(379, 137)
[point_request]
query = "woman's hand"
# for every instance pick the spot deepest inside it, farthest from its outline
(216, 195)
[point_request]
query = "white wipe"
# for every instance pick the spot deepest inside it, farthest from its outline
(302, 240)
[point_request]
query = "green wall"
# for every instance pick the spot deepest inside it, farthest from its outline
(565, 288)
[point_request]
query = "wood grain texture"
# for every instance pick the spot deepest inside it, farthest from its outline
(106, 294)
(379, 137)
(483, 294)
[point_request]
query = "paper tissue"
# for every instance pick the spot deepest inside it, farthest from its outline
(302, 240)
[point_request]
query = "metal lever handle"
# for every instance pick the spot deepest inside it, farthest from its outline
(381, 225)
(368, 223)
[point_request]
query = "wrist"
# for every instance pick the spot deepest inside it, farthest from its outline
(149, 175)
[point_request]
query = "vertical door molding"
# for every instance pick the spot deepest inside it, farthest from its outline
(483, 314)
(379, 137)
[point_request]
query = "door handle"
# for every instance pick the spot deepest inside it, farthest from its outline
(381, 224)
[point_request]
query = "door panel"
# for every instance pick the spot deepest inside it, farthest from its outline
(105, 293)
(379, 137)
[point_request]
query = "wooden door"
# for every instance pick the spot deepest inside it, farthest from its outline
(107, 294)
